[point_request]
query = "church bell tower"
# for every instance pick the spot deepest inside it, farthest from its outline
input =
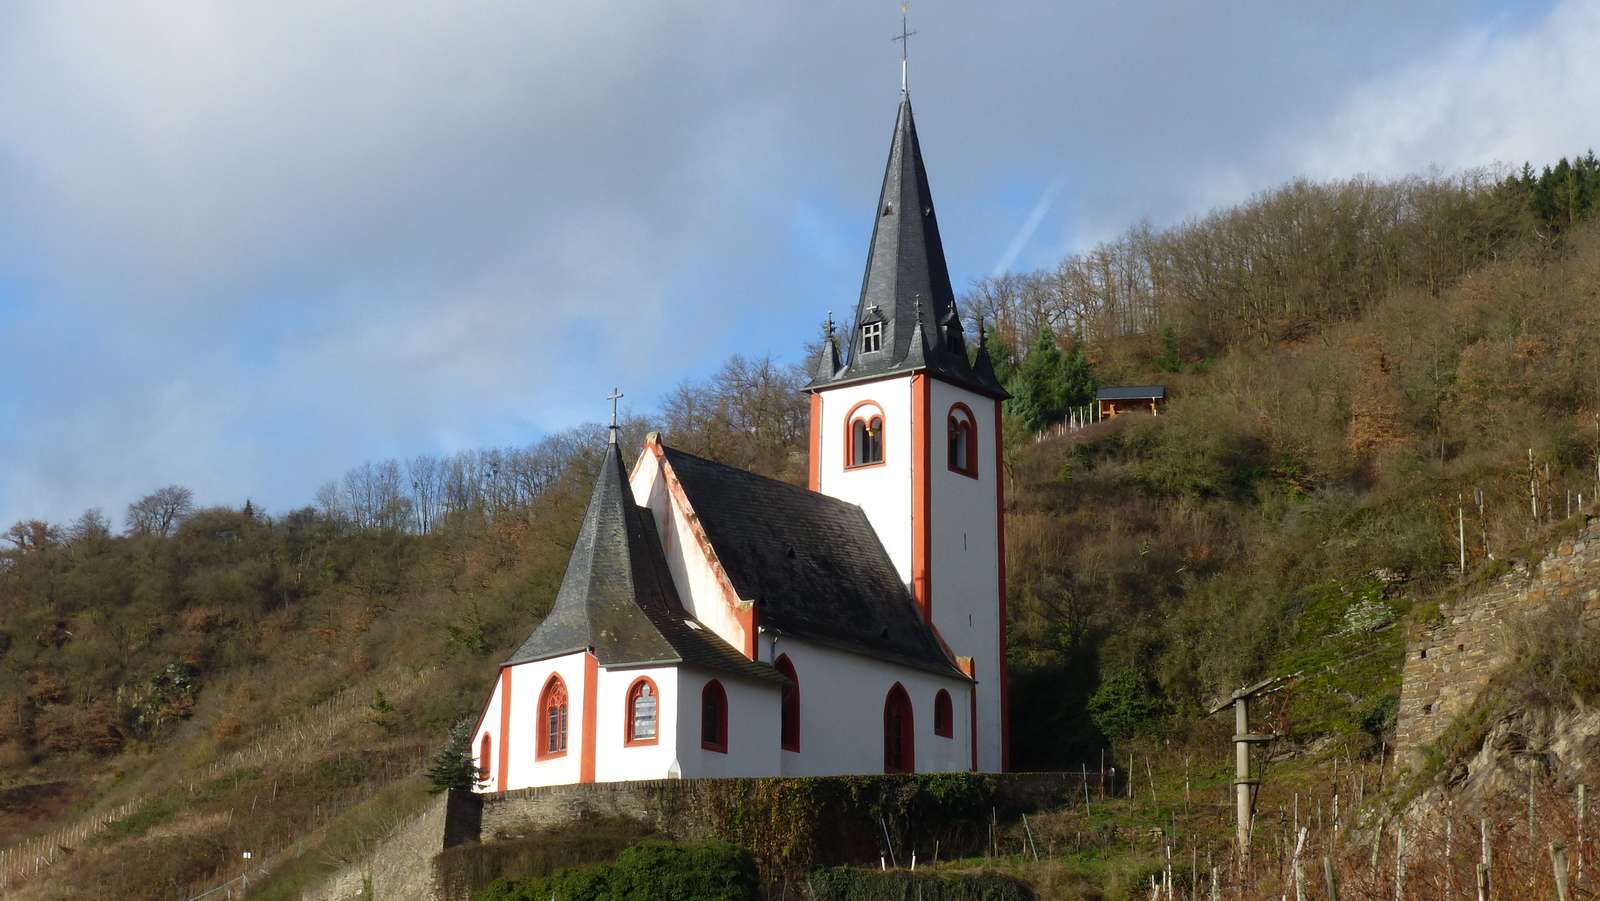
(905, 423)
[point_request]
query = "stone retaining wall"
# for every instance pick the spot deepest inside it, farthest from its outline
(1449, 663)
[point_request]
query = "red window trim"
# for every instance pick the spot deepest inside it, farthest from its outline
(628, 741)
(850, 435)
(786, 666)
(971, 471)
(721, 747)
(898, 697)
(485, 754)
(541, 740)
(944, 715)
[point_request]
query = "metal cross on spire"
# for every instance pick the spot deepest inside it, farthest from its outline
(904, 39)
(614, 396)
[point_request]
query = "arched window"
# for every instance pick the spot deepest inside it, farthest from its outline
(643, 712)
(864, 435)
(485, 749)
(714, 718)
(552, 720)
(789, 731)
(943, 715)
(963, 441)
(899, 738)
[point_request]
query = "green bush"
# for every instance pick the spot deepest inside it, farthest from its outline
(1124, 705)
(660, 871)
(846, 884)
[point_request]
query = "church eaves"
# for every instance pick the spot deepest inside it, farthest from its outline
(906, 288)
(617, 597)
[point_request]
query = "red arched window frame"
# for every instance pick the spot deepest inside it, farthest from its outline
(485, 754)
(789, 730)
(944, 715)
(899, 732)
(863, 436)
(714, 718)
(552, 736)
(962, 441)
(634, 724)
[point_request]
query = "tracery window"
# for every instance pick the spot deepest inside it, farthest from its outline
(552, 719)
(643, 712)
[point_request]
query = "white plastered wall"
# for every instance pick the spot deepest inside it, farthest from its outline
(614, 760)
(841, 712)
(964, 565)
(527, 682)
(753, 711)
(883, 492)
(699, 586)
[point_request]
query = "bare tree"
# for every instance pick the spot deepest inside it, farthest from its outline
(90, 527)
(31, 535)
(160, 512)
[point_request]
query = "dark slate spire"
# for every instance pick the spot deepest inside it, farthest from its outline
(906, 289)
(827, 364)
(617, 597)
(982, 365)
(598, 603)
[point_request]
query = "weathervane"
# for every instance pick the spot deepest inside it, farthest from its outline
(904, 39)
(614, 396)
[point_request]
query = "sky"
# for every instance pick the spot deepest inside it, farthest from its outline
(246, 246)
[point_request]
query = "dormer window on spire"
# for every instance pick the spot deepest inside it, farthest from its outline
(872, 337)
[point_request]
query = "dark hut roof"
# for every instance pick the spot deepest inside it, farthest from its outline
(1132, 392)
(812, 564)
(618, 597)
(907, 284)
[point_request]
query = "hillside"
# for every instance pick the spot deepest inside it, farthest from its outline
(1349, 363)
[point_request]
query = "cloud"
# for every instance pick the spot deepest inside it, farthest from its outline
(1493, 94)
(245, 246)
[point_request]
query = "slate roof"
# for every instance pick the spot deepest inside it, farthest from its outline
(618, 598)
(907, 284)
(1131, 392)
(812, 564)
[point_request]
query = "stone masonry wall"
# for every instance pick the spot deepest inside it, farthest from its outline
(1449, 663)
(663, 804)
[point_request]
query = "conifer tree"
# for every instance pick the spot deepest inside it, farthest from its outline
(453, 767)
(1048, 383)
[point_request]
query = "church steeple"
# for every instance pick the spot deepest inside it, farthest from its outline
(906, 318)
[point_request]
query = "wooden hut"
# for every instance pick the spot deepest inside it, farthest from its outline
(1119, 399)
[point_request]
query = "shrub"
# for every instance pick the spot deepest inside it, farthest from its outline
(846, 884)
(1124, 705)
(663, 871)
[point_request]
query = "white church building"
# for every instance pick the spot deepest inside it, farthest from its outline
(714, 622)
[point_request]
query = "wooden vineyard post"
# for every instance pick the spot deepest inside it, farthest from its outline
(1558, 863)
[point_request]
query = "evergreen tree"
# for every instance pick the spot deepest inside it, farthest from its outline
(453, 767)
(1049, 383)
(1169, 361)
